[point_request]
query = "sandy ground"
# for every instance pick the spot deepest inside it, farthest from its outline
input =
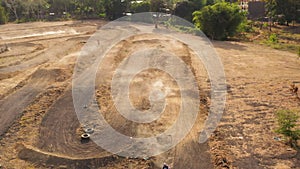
(259, 82)
(39, 127)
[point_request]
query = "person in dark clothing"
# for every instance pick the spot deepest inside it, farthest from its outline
(165, 166)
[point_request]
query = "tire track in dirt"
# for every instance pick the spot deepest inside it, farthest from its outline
(187, 154)
(259, 79)
(16, 59)
(23, 89)
(34, 26)
(59, 131)
(13, 105)
(12, 78)
(51, 54)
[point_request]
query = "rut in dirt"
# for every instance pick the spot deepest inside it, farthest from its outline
(13, 105)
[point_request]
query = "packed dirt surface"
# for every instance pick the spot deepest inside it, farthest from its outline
(39, 127)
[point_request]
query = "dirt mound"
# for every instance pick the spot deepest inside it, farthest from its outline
(7, 75)
(52, 74)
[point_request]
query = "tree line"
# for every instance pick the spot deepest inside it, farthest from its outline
(30, 10)
(283, 11)
(218, 19)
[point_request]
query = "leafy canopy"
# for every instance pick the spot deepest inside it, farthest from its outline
(219, 21)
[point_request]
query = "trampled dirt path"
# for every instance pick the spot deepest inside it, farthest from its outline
(35, 81)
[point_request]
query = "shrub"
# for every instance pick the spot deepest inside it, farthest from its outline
(3, 16)
(273, 38)
(246, 26)
(185, 9)
(220, 20)
(287, 121)
(265, 25)
(102, 15)
(115, 8)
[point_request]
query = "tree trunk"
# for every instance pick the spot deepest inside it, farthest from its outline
(270, 24)
(16, 14)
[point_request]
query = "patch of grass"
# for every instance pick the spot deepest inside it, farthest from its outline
(280, 38)
(273, 38)
(186, 29)
(102, 15)
(282, 46)
(288, 126)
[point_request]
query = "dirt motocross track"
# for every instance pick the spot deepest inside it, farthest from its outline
(39, 127)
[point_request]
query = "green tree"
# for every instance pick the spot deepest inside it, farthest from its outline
(60, 6)
(13, 6)
(140, 7)
(210, 2)
(90, 8)
(220, 20)
(115, 8)
(24, 10)
(185, 9)
(198, 4)
(157, 5)
(271, 11)
(33, 9)
(3, 16)
(288, 9)
(271, 8)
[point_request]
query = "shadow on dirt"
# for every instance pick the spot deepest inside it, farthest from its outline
(229, 45)
(47, 160)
